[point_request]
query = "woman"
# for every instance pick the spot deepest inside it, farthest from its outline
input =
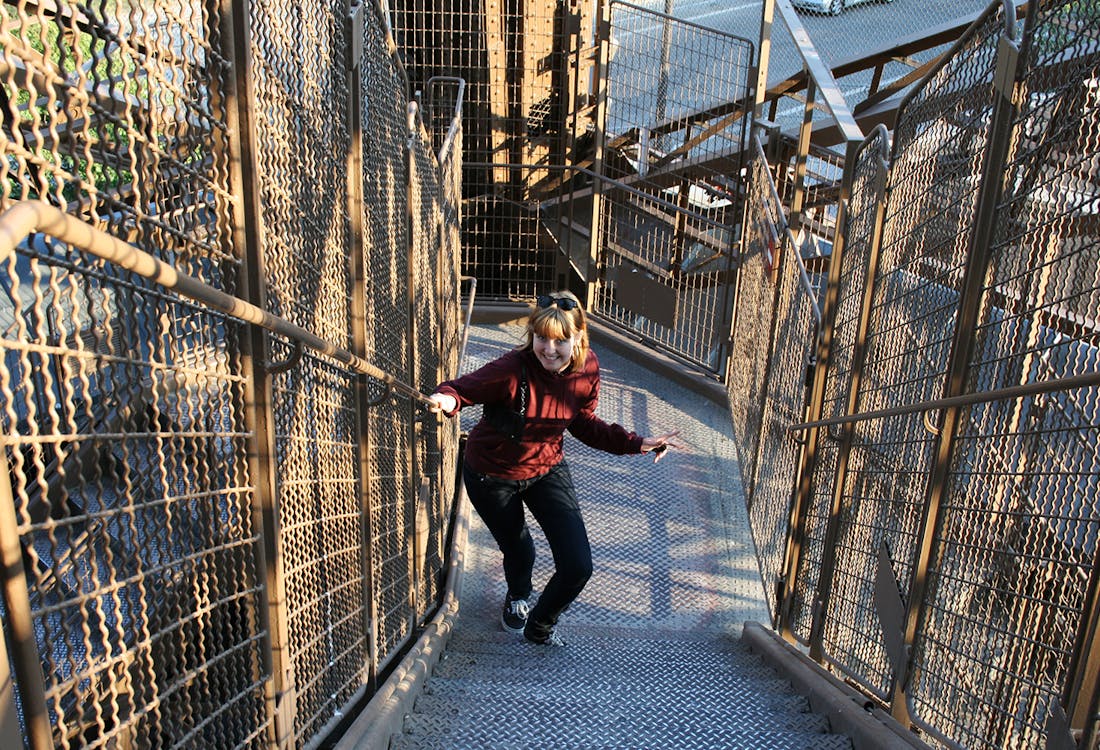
(514, 455)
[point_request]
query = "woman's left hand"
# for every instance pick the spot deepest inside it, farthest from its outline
(658, 445)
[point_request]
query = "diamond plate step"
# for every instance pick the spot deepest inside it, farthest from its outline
(634, 736)
(600, 717)
(493, 690)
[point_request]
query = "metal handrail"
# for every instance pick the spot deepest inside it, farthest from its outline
(615, 185)
(1086, 380)
(466, 323)
(796, 246)
(456, 121)
(30, 216)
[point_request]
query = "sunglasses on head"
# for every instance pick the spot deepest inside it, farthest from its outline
(563, 303)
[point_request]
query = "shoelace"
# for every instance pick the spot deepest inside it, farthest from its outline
(553, 639)
(519, 608)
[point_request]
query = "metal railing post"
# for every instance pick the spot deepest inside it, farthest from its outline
(763, 63)
(992, 182)
(358, 250)
(600, 80)
(247, 241)
(20, 622)
(412, 490)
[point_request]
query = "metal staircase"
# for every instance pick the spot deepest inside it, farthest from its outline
(608, 691)
(654, 657)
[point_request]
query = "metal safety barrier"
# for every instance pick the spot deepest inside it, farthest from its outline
(225, 512)
(922, 479)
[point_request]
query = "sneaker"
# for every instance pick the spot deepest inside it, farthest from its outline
(513, 618)
(547, 638)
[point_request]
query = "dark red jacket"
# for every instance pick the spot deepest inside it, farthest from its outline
(556, 402)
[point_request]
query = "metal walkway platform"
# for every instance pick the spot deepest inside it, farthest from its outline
(654, 658)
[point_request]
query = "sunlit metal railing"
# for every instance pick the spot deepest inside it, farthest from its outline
(231, 263)
(937, 544)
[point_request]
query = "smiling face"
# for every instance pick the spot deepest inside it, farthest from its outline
(558, 338)
(553, 353)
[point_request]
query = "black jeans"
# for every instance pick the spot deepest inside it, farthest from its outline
(553, 502)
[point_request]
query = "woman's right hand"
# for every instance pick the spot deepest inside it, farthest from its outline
(441, 403)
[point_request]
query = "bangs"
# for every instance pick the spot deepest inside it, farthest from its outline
(553, 324)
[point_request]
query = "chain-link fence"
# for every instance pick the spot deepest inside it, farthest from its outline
(668, 205)
(943, 532)
(214, 533)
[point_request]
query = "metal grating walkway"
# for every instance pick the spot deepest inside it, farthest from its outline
(653, 658)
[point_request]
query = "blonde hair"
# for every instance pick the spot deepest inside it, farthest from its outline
(554, 323)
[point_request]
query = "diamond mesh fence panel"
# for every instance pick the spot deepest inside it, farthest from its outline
(307, 278)
(1020, 526)
(203, 516)
(1005, 595)
(302, 92)
(142, 591)
(386, 229)
(755, 314)
(939, 147)
(868, 183)
(447, 96)
(433, 505)
(755, 306)
(320, 537)
(774, 340)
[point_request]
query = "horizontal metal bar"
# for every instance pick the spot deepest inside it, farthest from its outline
(1086, 380)
(615, 185)
(680, 21)
(30, 216)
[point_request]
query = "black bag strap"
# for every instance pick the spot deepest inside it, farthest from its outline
(523, 390)
(506, 420)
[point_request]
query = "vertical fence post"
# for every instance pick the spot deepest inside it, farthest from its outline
(11, 734)
(767, 20)
(412, 493)
(802, 155)
(17, 609)
(358, 260)
(247, 239)
(599, 81)
(978, 257)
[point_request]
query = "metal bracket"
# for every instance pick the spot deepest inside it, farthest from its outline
(386, 391)
(931, 426)
(891, 614)
(1059, 734)
(276, 368)
(355, 34)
